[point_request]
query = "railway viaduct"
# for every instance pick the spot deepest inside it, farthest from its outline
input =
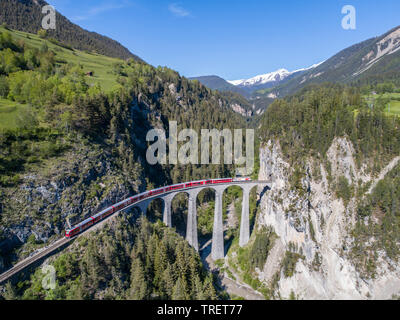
(217, 250)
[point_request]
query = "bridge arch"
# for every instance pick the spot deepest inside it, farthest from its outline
(155, 209)
(142, 204)
(218, 249)
(167, 205)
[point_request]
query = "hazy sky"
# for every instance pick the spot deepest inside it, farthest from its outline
(232, 39)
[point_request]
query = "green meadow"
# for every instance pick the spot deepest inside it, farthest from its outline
(393, 107)
(392, 102)
(100, 65)
(9, 111)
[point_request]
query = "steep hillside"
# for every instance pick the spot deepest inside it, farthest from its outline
(326, 247)
(128, 259)
(236, 97)
(103, 70)
(377, 58)
(26, 15)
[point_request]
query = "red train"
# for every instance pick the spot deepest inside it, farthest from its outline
(69, 233)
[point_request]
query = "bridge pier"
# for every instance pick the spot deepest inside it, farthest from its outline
(191, 229)
(167, 215)
(217, 249)
(245, 218)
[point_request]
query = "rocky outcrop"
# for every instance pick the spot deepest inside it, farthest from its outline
(318, 224)
(73, 187)
(239, 109)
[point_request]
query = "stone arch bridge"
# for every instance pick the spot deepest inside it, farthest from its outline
(217, 251)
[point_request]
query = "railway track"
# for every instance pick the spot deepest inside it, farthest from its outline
(30, 260)
(61, 242)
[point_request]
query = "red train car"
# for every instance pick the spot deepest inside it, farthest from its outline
(132, 200)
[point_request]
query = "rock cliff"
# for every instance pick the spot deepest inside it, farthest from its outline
(317, 223)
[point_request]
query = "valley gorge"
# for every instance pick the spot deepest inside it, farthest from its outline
(77, 114)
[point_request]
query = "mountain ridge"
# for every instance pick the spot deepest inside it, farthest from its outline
(373, 60)
(275, 76)
(217, 83)
(374, 57)
(26, 15)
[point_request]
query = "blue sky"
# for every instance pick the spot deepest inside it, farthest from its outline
(232, 39)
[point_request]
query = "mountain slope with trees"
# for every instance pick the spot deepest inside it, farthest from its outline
(26, 15)
(370, 63)
(373, 60)
(335, 162)
(78, 148)
(217, 83)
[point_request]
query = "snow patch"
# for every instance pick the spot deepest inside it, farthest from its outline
(275, 76)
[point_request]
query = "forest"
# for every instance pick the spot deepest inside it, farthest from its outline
(130, 259)
(307, 122)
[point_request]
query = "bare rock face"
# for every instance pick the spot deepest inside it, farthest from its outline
(318, 224)
(83, 183)
(239, 109)
(386, 46)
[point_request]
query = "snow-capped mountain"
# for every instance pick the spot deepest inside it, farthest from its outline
(263, 78)
(269, 79)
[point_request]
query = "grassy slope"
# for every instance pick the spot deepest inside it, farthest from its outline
(394, 107)
(394, 101)
(9, 111)
(102, 66)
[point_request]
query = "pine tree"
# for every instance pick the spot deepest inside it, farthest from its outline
(10, 292)
(209, 290)
(168, 281)
(139, 289)
(179, 291)
(181, 261)
(160, 263)
(197, 289)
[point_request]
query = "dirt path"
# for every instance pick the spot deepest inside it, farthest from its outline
(384, 172)
(232, 287)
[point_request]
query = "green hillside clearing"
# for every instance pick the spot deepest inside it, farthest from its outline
(101, 66)
(9, 111)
